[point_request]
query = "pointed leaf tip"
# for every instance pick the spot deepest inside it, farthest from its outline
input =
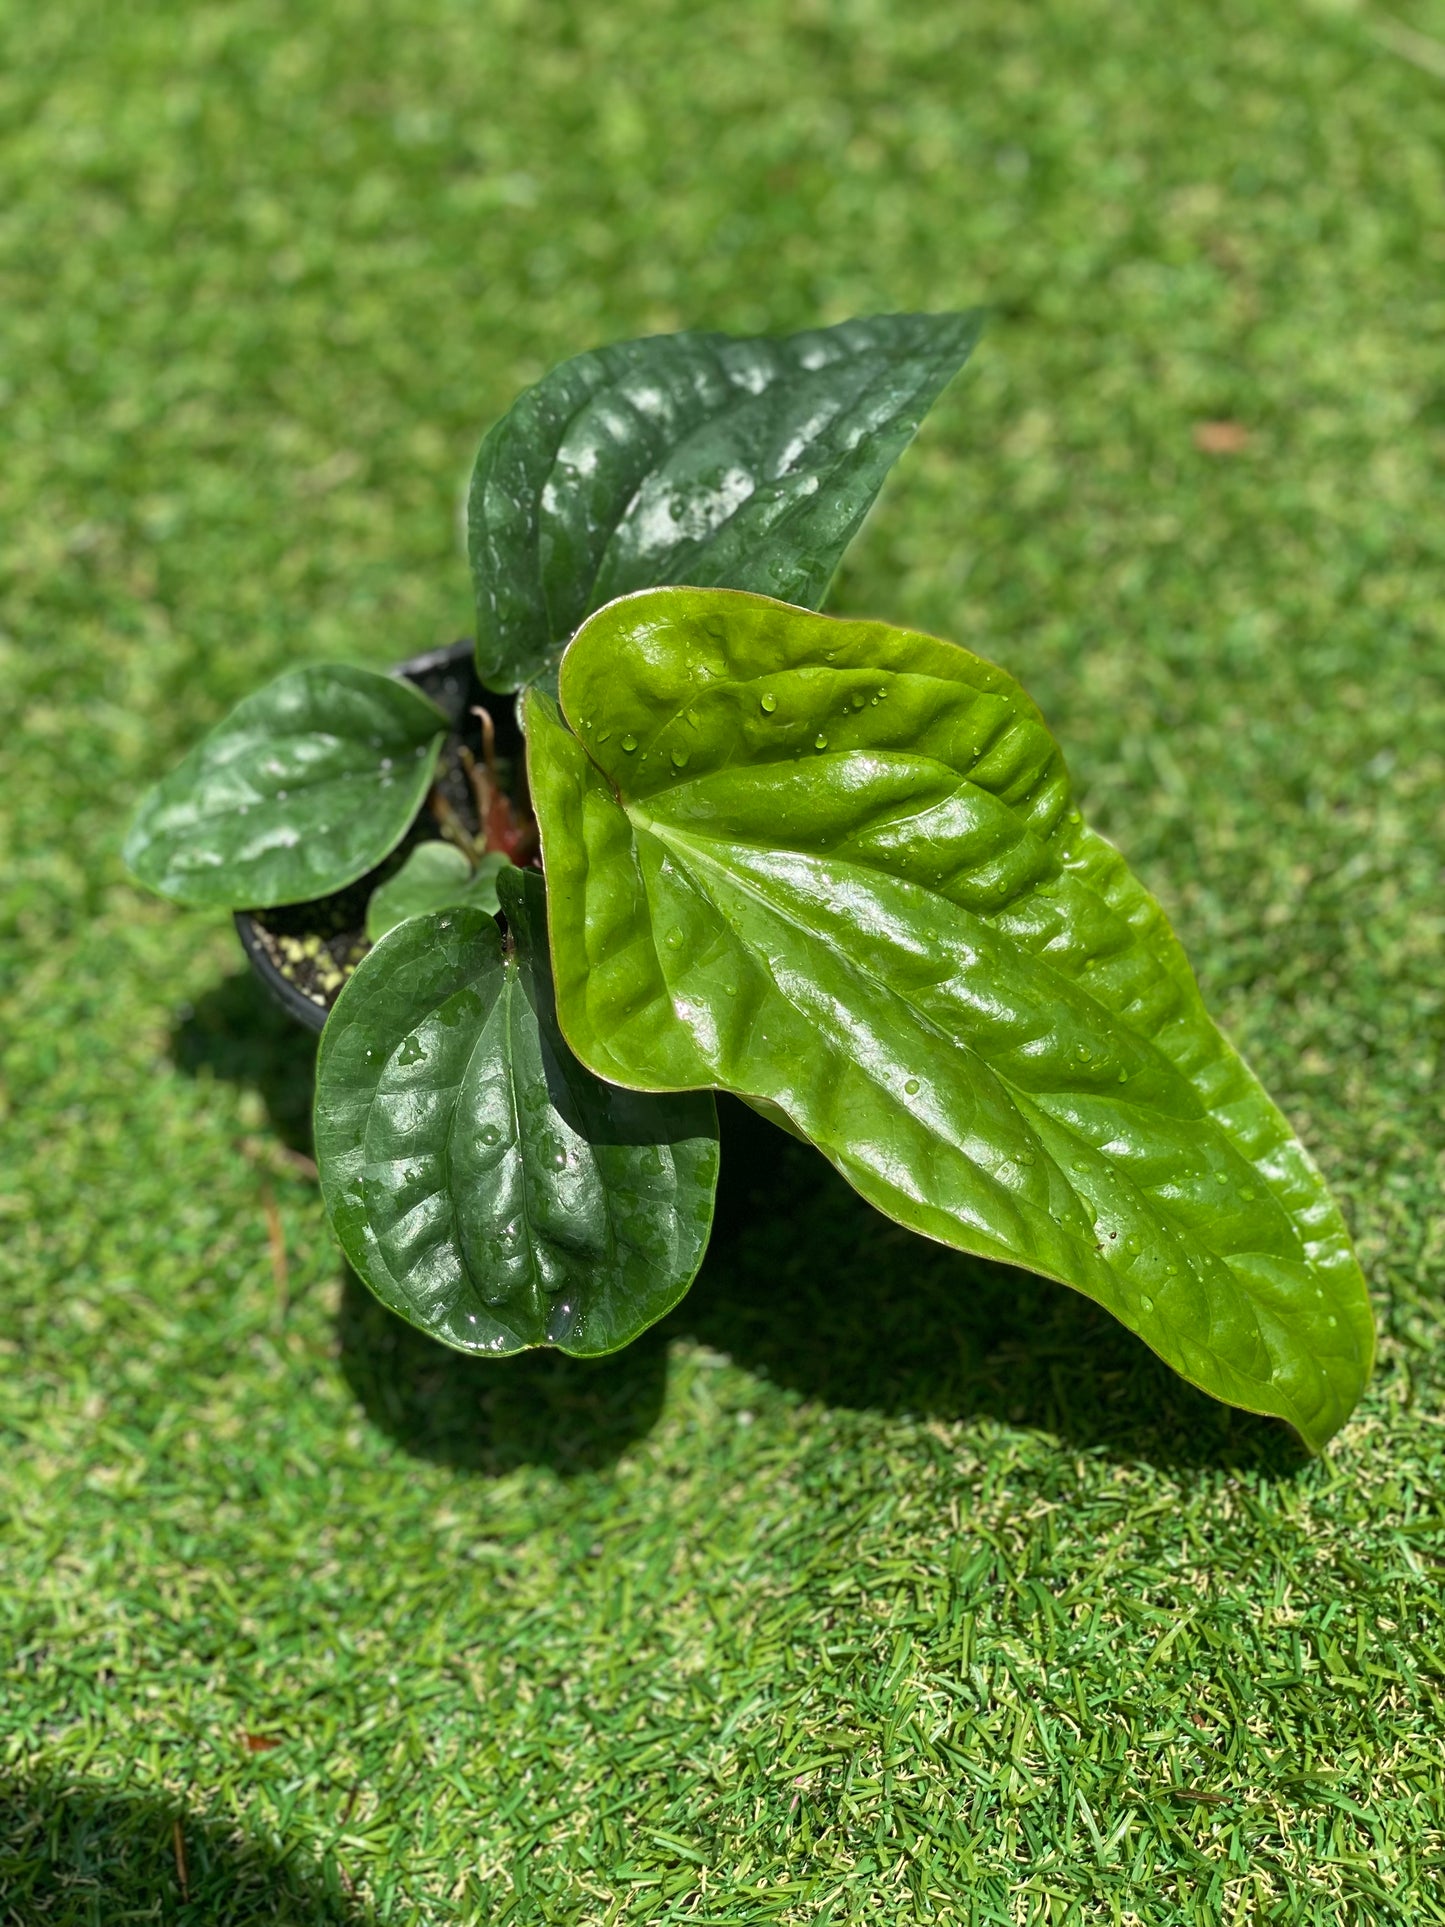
(699, 458)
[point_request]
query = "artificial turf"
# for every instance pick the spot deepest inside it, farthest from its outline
(874, 1585)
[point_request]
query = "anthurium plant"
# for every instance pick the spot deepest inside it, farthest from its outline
(834, 867)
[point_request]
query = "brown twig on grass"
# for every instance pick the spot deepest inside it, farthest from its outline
(276, 1236)
(183, 1872)
(280, 1157)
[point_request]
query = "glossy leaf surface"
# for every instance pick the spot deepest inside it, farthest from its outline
(836, 867)
(480, 1181)
(435, 876)
(300, 790)
(691, 458)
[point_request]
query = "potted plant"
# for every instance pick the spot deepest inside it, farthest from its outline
(467, 829)
(722, 841)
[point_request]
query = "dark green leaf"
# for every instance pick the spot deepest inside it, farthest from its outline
(483, 1183)
(836, 867)
(300, 790)
(691, 458)
(434, 876)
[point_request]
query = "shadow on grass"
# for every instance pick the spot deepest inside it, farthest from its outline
(803, 1283)
(493, 1415)
(236, 1033)
(78, 1856)
(806, 1283)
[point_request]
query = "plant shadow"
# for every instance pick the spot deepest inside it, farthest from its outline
(74, 1855)
(494, 1415)
(808, 1285)
(803, 1283)
(236, 1033)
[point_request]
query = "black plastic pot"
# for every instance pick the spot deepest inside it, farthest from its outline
(449, 677)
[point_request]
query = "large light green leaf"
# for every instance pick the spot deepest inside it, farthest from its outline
(483, 1183)
(300, 790)
(835, 867)
(435, 876)
(691, 458)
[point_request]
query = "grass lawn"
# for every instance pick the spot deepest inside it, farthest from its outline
(874, 1586)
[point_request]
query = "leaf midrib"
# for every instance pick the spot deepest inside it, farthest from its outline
(1028, 1111)
(505, 995)
(471, 981)
(680, 841)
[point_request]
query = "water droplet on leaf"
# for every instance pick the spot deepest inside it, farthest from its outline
(911, 1087)
(679, 759)
(820, 741)
(768, 701)
(629, 743)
